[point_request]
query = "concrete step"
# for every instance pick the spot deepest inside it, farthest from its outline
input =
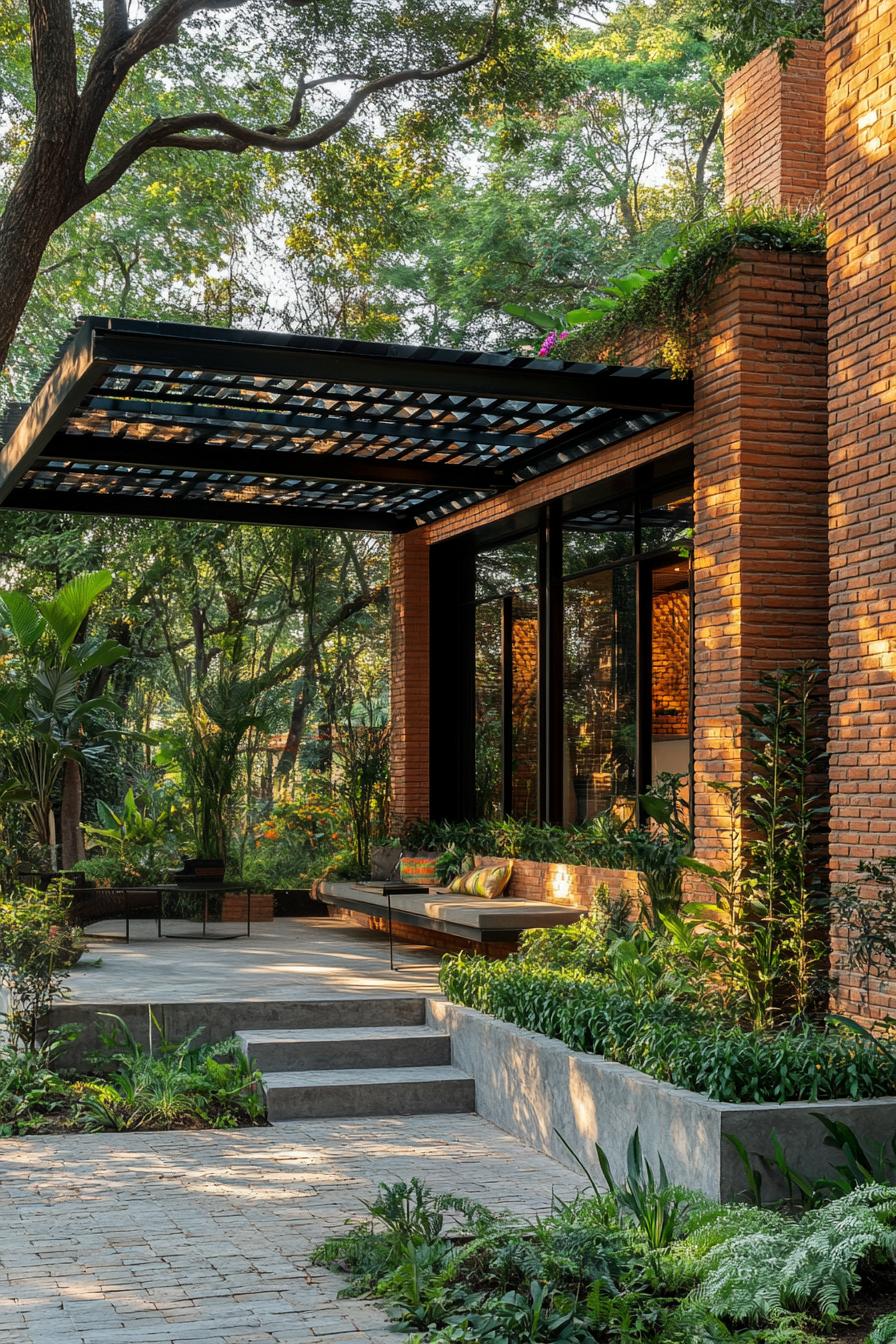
(379, 1047)
(315, 1093)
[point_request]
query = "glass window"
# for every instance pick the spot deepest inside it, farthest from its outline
(506, 694)
(670, 671)
(488, 750)
(524, 708)
(600, 695)
(667, 520)
(507, 569)
(598, 536)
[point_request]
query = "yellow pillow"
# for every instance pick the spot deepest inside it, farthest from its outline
(488, 882)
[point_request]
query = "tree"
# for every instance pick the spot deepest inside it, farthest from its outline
(283, 76)
(52, 711)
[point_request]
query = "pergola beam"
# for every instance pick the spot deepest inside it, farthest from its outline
(163, 407)
(49, 410)
(184, 508)
(239, 353)
(112, 450)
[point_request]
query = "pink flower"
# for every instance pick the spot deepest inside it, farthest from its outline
(550, 341)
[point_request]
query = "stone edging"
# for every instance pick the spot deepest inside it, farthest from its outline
(534, 1087)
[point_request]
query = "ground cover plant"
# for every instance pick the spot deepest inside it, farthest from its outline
(642, 1261)
(176, 1085)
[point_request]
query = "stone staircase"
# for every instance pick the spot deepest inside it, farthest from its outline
(356, 1057)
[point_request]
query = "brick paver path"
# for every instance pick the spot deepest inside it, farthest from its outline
(206, 1237)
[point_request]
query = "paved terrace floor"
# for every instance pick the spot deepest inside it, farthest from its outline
(204, 1237)
(284, 959)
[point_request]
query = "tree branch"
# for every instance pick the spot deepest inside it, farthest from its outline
(231, 137)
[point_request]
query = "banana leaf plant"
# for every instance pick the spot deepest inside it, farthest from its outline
(140, 834)
(48, 718)
(598, 305)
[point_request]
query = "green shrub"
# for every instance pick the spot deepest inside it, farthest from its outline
(37, 948)
(680, 1042)
(34, 1097)
(175, 1086)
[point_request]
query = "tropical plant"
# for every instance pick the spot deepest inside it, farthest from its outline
(656, 850)
(173, 1084)
(771, 909)
(33, 1095)
(669, 306)
(52, 719)
(217, 716)
(655, 1206)
(660, 1022)
(748, 1270)
(642, 1263)
(858, 1162)
(558, 324)
(140, 836)
(361, 750)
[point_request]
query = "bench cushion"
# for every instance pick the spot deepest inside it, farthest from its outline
(445, 907)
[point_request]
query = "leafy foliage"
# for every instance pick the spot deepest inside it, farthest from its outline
(37, 948)
(668, 308)
(782, 1266)
(645, 1015)
(176, 1084)
(769, 920)
(52, 709)
(641, 1264)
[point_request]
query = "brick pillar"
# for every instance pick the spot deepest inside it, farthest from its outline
(409, 585)
(760, 483)
(774, 128)
(861, 133)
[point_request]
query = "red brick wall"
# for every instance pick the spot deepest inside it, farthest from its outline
(409, 586)
(566, 883)
(774, 128)
(760, 558)
(861, 133)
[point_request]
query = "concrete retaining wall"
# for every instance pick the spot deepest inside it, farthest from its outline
(536, 1088)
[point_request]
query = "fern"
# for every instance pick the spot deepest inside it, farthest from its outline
(772, 1267)
(884, 1330)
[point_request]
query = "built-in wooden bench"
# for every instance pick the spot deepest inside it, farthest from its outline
(446, 919)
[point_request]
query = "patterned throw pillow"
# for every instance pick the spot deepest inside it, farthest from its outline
(420, 871)
(488, 882)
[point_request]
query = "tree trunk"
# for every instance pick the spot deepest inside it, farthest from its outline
(300, 705)
(34, 209)
(72, 836)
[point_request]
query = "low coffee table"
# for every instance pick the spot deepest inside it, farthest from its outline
(214, 888)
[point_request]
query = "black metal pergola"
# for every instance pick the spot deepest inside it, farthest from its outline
(166, 420)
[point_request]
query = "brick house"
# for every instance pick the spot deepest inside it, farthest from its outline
(784, 468)
(590, 565)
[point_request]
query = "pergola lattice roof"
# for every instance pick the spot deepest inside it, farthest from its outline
(165, 420)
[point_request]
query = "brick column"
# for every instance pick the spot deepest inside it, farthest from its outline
(409, 586)
(774, 128)
(760, 482)
(861, 134)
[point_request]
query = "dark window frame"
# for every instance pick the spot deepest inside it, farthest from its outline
(452, 663)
